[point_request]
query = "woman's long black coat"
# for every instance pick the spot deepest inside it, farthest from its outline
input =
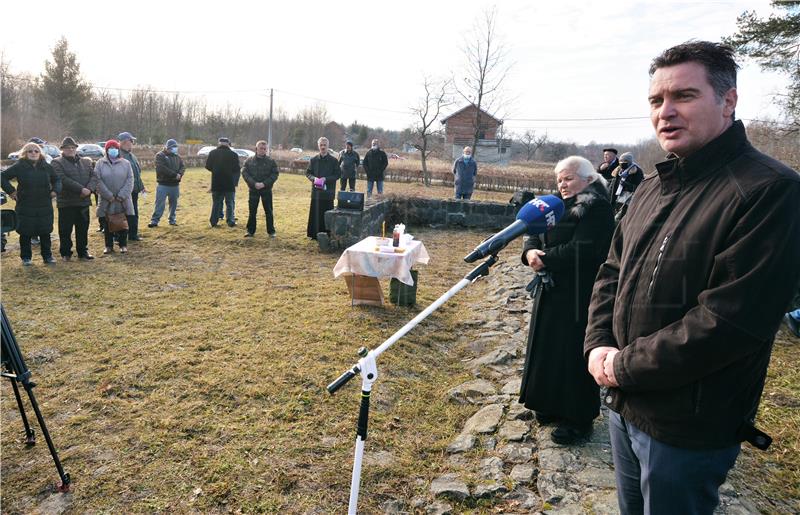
(556, 380)
(35, 181)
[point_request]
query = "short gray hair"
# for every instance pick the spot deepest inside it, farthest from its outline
(582, 167)
(323, 138)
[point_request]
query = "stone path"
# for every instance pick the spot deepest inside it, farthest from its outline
(502, 460)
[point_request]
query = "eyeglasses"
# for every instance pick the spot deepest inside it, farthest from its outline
(33, 151)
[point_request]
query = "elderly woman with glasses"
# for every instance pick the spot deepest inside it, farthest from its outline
(37, 185)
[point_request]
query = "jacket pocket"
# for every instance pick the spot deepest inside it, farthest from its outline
(657, 268)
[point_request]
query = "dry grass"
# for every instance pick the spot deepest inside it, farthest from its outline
(189, 375)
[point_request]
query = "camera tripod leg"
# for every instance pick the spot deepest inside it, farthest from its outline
(30, 435)
(63, 486)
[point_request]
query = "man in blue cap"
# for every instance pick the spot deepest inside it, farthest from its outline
(126, 141)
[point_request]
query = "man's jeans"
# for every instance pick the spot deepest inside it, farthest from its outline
(464, 196)
(162, 194)
(263, 195)
(370, 182)
(654, 478)
(217, 197)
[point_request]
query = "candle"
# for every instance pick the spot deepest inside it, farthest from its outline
(383, 229)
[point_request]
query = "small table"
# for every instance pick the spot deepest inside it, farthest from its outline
(363, 266)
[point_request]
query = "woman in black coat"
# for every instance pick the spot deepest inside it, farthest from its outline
(556, 383)
(37, 185)
(323, 171)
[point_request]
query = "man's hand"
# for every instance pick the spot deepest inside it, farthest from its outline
(597, 358)
(85, 192)
(608, 367)
(53, 194)
(534, 259)
(259, 185)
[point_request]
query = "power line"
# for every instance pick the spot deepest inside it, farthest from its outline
(618, 118)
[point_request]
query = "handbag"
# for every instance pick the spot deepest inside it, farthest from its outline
(117, 221)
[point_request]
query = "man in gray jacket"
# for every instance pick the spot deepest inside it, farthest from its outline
(78, 183)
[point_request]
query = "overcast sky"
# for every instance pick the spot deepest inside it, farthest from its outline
(365, 60)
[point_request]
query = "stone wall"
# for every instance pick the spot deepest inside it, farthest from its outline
(348, 227)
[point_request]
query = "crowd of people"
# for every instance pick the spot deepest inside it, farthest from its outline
(650, 279)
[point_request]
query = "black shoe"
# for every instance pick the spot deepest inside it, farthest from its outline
(569, 434)
(151, 225)
(214, 226)
(26, 262)
(86, 257)
(99, 230)
(792, 324)
(174, 223)
(232, 225)
(272, 235)
(135, 238)
(248, 235)
(49, 260)
(543, 418)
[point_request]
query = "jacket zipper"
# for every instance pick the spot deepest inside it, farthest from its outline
(658, 265)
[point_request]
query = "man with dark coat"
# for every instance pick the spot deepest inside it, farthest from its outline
(348, 162)
(626, 178)
(260, 173)
(126, 141)
(610, 162)
(375, 163)
(169, 172)
(680, 329)
(555, 383)
(323, 172)
(78, 182)
(223, 163)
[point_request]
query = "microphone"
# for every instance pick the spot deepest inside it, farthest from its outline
(535, 217)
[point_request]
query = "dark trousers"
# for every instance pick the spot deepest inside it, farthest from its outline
(265, 196)
(77, 217)
(25, 251)
(133, 221)
(654, 478)
(345, 180)
(217, 197)
(122, 236)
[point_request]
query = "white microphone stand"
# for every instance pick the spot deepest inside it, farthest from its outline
(368, 369)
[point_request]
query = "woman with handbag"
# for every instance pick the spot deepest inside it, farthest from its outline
(114, 186)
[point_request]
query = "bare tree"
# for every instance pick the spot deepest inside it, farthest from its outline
(531, 143)
(426, 112)
(486, 70)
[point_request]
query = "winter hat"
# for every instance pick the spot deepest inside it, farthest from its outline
(627, 157)
(224, 140)
(349, 142)
(611, 149)
(68, 142)
(111, 143)
(171, 143)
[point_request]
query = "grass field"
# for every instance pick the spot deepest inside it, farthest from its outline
(189, 375)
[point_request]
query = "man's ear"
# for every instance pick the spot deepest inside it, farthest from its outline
(729, 102)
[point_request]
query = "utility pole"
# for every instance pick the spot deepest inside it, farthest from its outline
(269, 127)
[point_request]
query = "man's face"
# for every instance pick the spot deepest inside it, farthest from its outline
(323, 147)
(68, 151)
(685, 112)
(126, 145)
(375, 143)
(609, 156)
(261, 149)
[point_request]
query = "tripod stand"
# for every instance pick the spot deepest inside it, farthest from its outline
(368, 369)
(16, 370)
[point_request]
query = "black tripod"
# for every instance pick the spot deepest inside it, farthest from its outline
(15, 370)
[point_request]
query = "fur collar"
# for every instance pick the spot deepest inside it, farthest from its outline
(593, 193)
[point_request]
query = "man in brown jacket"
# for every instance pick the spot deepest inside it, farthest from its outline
(679, 328)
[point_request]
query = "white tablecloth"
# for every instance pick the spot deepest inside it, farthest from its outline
(363, 259)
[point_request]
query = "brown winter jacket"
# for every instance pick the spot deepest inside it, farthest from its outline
(696, 282)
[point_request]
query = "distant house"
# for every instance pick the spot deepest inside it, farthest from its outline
(459, 129)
